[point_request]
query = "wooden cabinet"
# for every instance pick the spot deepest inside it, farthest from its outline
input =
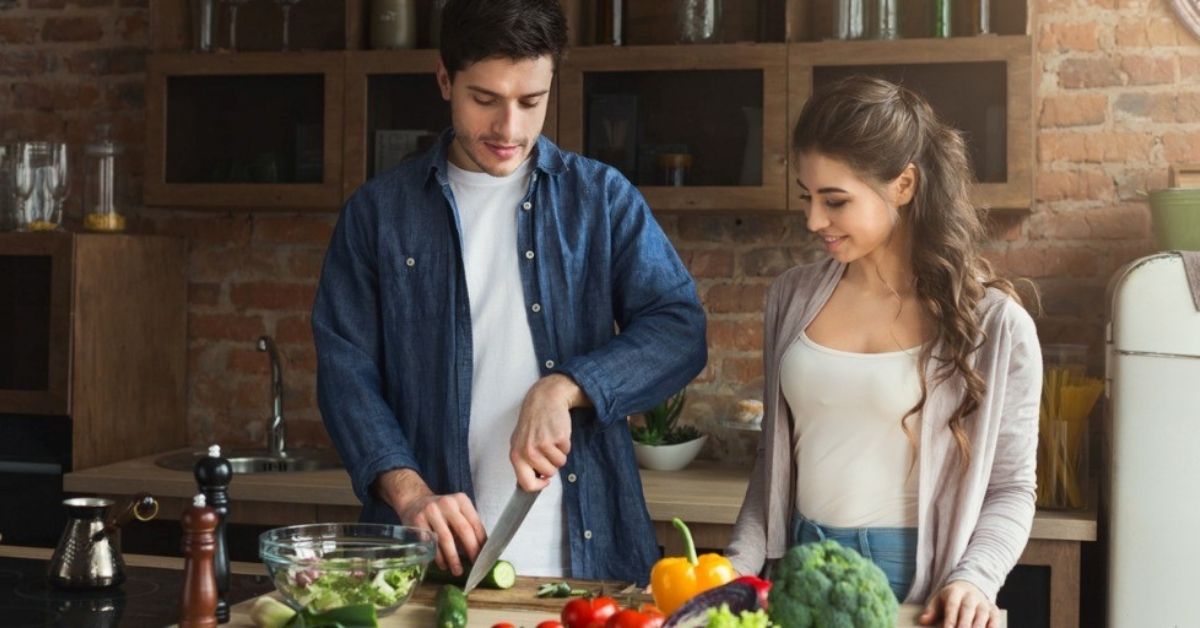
(96, 331)
(241, 130)
(724, 107)
(252, 130)
(980, 85)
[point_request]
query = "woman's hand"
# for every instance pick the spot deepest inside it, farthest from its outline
(961, 604)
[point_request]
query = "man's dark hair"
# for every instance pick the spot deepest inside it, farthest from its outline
(474, 30)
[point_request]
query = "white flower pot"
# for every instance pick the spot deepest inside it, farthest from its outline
(668, 457)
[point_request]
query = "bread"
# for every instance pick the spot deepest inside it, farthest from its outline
(748, 411)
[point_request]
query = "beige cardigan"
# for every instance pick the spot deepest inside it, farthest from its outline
(972, 524)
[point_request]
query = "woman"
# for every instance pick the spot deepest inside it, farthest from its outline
(902, 376)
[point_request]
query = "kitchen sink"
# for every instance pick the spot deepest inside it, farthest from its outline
(258, 460)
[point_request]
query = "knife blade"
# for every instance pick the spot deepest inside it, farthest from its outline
(510, 520)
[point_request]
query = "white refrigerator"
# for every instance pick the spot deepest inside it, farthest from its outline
(1153, 387)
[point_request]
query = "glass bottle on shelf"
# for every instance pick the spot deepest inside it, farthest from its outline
(850, 19)
(981, 19)
(285, 6)
(204, 22)
(885, 20)
(698, 21)
(103, 207)
(942, 25)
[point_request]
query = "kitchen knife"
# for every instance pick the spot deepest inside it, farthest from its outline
(514, 513)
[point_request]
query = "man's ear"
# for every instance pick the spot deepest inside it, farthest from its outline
(904, 187)
(443, 80)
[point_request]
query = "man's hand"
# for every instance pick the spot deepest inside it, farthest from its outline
(542, 439)
(961, 604)
(450, 516)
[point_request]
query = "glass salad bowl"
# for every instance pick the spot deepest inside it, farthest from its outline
(322, 566)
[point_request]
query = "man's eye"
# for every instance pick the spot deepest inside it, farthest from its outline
(484, 101)
(529, 104)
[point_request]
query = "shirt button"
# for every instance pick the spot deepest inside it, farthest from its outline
(549, 364)
(587, 535)
(526, 206)
(536, 307)
(410, 262)
(528, 254)
(571, 478)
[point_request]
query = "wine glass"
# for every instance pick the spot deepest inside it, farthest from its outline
(23, 182)
(286, 7)
(56, 182)
(233, 11)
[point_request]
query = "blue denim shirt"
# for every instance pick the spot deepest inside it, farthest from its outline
(392, 326)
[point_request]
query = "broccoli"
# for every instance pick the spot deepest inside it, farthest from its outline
(826, 585)
(724, 618)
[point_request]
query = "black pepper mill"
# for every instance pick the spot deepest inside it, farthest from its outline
(213, 474)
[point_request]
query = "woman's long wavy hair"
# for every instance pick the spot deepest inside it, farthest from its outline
(878, 128)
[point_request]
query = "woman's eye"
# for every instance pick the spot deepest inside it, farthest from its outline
(804, 198)
(832, 204)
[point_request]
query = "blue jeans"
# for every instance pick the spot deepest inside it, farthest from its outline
(893, 549)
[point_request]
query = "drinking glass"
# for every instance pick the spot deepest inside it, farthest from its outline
(233, 11)
(286, 7)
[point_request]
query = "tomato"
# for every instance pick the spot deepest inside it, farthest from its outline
(589, 612)
(648, 616)
(550, 623)
(503, 624)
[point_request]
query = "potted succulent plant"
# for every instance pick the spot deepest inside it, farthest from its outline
(660, 443)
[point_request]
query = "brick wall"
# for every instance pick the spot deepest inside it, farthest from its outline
(1118, 99)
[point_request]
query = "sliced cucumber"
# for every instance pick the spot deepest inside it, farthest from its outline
(502, 576)
(451, 606)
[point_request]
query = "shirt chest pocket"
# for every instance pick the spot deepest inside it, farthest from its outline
(416, 288)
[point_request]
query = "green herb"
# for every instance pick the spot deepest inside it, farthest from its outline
(660, 423)
(346, 582)
(558, 589)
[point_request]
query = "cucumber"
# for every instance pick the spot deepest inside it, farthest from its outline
(451, 605)
(502, 576)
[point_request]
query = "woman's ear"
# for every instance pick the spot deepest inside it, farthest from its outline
(904, 187)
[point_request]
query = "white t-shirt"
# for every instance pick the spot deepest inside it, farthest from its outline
(855, 466)
(505, 365)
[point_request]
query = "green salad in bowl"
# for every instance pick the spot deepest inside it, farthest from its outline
(322, 566)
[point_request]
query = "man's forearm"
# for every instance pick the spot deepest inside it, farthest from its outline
(564, 389)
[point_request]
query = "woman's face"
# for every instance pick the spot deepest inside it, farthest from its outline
(852, 217)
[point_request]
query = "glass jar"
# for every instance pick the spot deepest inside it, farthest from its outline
(673, 168)
(1068, 396)
(393, 24)
(204, 23)
(698, 21)
(103, 208)
(942, 24)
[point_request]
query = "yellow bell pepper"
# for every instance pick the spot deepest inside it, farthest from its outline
(675, 580)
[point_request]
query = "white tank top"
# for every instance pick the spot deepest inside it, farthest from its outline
(855, 467)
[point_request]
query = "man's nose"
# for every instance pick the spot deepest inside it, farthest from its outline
(505, 123)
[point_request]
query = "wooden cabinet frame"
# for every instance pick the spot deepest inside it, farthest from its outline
(324, 195)
(1016, 51)
(56, 399)
(771, 59)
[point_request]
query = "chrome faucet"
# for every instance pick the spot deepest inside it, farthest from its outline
(276, 432)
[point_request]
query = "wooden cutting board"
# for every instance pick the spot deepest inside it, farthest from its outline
(418, 615)
(523, 595)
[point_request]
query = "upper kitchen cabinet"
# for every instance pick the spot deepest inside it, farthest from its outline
(980, 85)
(699, 127)
(395, 109)
(251, 130)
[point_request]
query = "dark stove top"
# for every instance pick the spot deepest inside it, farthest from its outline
(148, 598)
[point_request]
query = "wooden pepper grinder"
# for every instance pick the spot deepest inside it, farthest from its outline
(198, 606)
(213, 474)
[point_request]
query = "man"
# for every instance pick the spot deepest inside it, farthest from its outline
(465, 317)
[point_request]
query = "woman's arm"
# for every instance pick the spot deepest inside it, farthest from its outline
(1006, 517)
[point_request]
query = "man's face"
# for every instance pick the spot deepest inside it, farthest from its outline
(498, 107)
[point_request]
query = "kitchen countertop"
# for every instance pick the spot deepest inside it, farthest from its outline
(704, 493)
